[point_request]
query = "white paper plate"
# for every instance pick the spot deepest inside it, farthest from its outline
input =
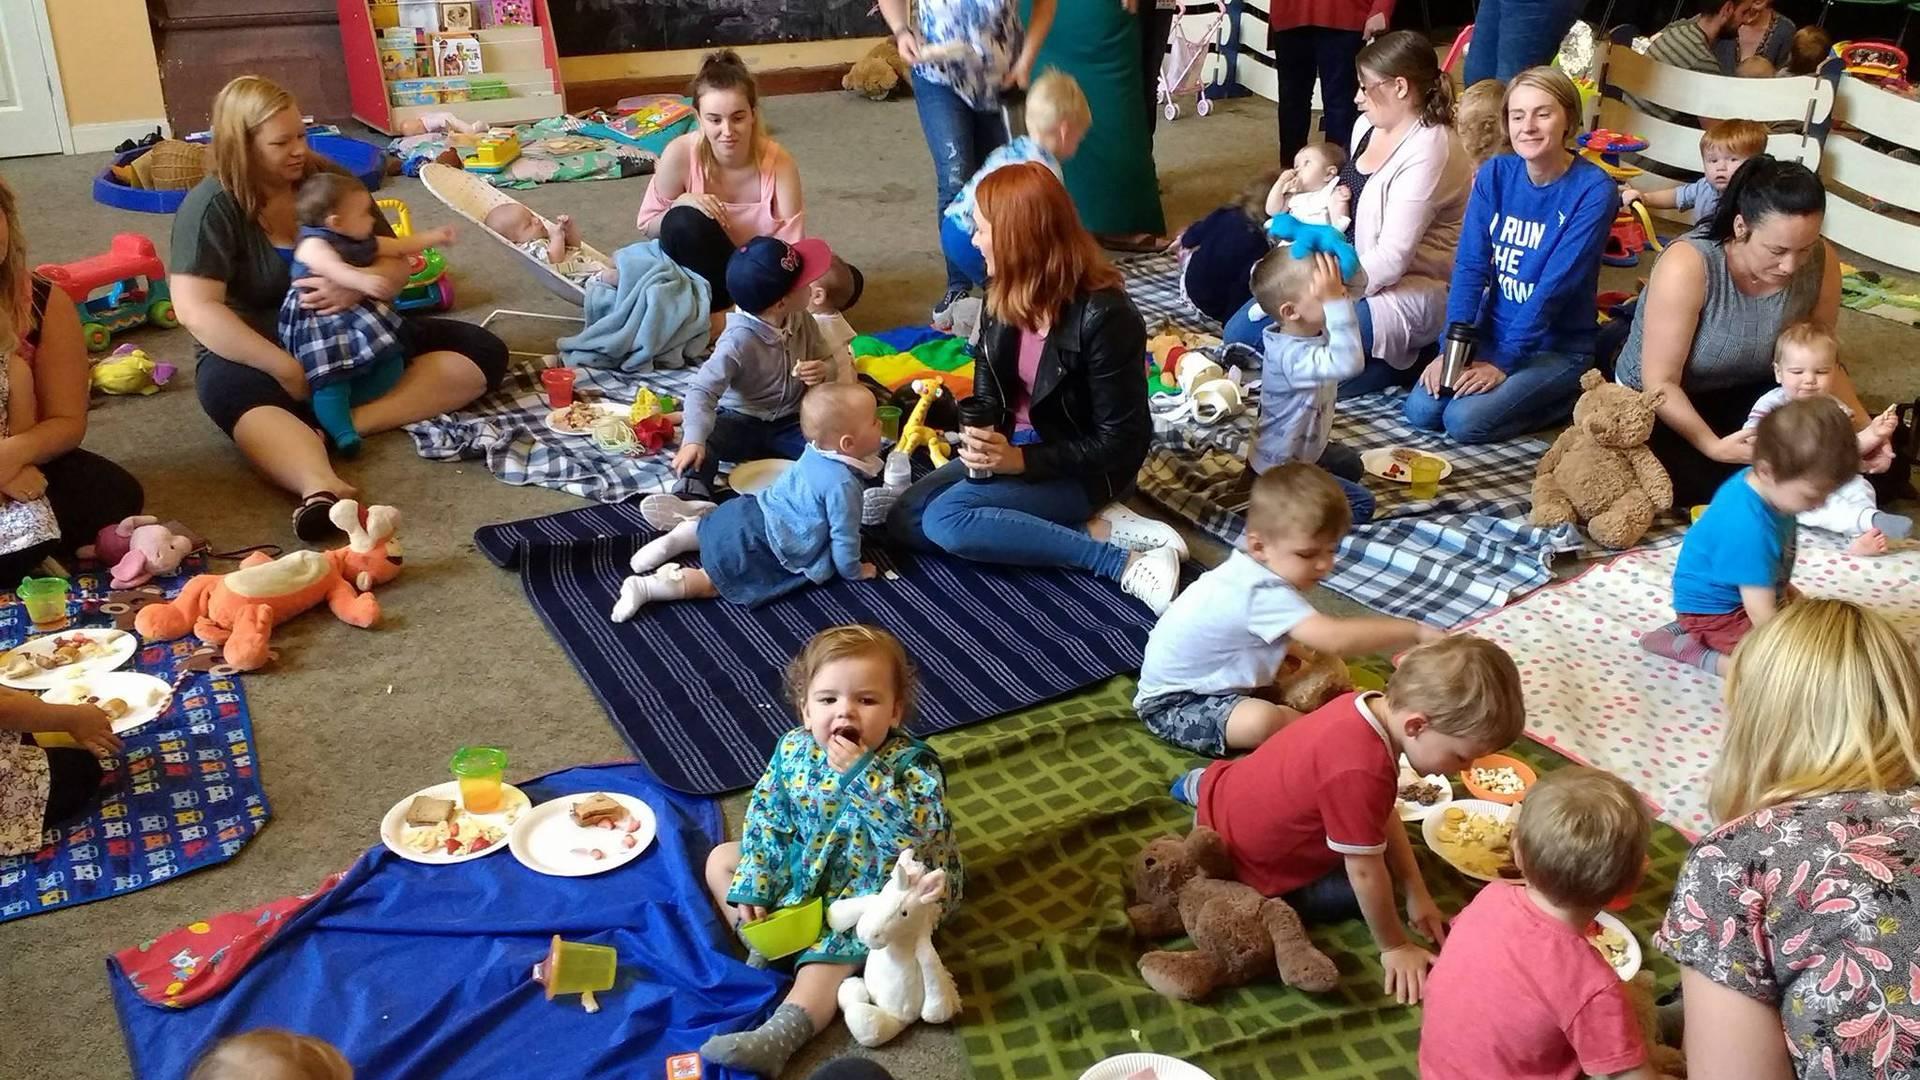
(1375, 461)
(394, 826)
(600, 408)
(547, 841)
(1164, 1068)
(150, 696)
(1430, 830)
(1414, 811)
(121, 647)
(1631, 965)
(754, 477)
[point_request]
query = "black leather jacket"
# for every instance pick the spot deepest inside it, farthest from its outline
(1089, 399)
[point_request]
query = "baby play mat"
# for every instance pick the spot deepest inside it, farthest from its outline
(1050, 805)
(184, 794)
(1596, 696)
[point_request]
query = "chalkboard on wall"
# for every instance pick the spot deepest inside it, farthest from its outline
(589, 27)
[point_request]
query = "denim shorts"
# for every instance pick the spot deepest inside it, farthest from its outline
(1197, 722)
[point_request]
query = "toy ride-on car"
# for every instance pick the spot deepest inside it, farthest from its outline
(124, 287)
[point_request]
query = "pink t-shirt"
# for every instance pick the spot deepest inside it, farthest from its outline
(1520, 995)
(1031, 345)
(762, 217)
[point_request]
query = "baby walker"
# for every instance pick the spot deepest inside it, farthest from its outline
(1182, 71)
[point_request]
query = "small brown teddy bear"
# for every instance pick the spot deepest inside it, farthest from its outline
(1309, 679)
(1186, 887)
(878, 74)
(1599, 471)
(1666, 1061)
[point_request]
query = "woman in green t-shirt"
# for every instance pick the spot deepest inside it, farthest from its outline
(232, 249)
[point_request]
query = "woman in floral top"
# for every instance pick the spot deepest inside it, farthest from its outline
(1797, 923)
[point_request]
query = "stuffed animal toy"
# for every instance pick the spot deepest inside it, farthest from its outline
(130, 371)
(1599, 471)
(241, 609)
(1309, 679)
(1667, 1062)
(878, 74)
(904, 980)
(139, 548)
(1306, 240)
(1186, 887)
(915, 433)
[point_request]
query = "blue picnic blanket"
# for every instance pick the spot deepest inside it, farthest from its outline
(656, 317)
(416, 970)
(183, 794)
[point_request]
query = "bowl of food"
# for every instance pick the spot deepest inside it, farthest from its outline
(1498, 778)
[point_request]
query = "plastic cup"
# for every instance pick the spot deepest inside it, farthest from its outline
(479, 770)
(889, 421)
(574, 967)
(46, 601)
(1423, 476)
(559, 386)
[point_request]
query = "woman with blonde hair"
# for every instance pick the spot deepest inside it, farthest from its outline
(233, 240)
(1059, 373)
(1795, 922)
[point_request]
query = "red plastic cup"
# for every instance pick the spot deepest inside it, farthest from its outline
(559, 386)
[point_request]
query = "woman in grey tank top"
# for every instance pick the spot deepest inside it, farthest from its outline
(1704, 329)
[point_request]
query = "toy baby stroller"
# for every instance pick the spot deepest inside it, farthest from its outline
(1183, 69)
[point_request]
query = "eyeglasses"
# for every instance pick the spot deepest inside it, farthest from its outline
(1368, 88)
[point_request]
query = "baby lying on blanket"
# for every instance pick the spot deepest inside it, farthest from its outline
(558, 244)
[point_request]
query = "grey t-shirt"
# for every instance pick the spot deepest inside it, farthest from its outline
(1733, 341)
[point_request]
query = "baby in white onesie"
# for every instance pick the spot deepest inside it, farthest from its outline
(1311, 190)
(557, 245)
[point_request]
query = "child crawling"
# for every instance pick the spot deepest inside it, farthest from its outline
(845, 793)
(555, 243)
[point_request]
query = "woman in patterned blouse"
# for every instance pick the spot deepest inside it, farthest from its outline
(1797, 922)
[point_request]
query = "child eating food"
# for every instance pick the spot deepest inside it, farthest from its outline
(1207, 679)
(845, 793)
(1311, 191)
(1724, 147)
(44, 787)
(804, 529)
(1310, 815)
(557, 244)
(354, 356)
(1522, 946)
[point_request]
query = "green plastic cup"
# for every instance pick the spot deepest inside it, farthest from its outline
(480, 770)
(889, 421)
(574, 967)
(46, 600)
(786, 931)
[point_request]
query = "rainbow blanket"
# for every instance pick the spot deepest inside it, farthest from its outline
(894, 358)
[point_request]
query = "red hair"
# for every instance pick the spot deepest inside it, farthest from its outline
(1042, 257)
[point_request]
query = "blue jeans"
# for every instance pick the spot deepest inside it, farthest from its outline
(960, 137)
(1537, 394)
(1006, 519)
(1343, 462)
(1510, 36)
(957, 245)
(737, 437)
(1330, 899)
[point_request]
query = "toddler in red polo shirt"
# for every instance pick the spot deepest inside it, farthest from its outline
(1558, 1011)
(1309, 816)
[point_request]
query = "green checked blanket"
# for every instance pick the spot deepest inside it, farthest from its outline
(1050, 805)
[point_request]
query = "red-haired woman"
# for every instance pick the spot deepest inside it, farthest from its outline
(1059, 359)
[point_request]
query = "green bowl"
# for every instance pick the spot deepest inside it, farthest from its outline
(786, 931)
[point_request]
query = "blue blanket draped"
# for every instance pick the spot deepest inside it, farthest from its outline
(415, 970)
(655, 318)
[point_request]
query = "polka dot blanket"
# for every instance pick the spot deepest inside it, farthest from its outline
(1596, 696)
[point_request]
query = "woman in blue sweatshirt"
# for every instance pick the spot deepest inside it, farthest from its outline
(1526, 274)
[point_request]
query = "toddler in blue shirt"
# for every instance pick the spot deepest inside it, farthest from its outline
(804, 529)
(1724, 146)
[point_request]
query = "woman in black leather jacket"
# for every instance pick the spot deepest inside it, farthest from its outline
(1061, 357)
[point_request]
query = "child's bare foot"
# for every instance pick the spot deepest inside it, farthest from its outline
(1871, 542)
(569, 230)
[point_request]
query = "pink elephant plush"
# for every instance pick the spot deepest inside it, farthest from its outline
(140, 548)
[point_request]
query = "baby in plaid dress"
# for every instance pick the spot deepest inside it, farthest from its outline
(845, 794)
(354, 356)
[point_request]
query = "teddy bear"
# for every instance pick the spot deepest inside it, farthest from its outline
(1599, 471)
(1667, 1062)
(1309, 679)
(1186, 886)
(878, 74)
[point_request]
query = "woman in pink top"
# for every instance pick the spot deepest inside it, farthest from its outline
(723, 184)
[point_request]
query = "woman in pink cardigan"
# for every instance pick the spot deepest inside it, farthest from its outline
(1408, 179)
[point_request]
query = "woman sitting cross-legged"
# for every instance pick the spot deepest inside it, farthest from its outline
(1526, 275)
(1059, 359)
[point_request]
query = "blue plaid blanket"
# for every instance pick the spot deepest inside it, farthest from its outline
(1442, 561)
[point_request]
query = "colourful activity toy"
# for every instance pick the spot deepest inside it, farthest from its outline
(1306, 240)
(1603, 148)
(124, 287)
(130, 371)
(493, 154)
(428, 286)
(915, 434)
(1631, 234)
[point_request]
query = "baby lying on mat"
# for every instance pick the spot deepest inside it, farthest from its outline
(557, 244)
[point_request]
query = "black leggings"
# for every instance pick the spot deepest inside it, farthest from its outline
(1695, 475)
(73, 780)
(1156, 29)
(698, 243)
(230, 390)
(88, 493)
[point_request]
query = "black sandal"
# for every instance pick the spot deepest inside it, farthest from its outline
(311, 519)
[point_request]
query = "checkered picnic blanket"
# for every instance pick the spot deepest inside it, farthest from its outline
(1441, 561)
(508, 430)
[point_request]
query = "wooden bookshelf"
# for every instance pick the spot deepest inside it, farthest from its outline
(521, 57)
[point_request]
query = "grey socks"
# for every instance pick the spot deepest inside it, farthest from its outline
(765, 1049)
(1896, 526)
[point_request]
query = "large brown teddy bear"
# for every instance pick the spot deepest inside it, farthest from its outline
(1667, 1062)
(1309, 679)
(1599, 471)
(878, 74)
(1186, 887)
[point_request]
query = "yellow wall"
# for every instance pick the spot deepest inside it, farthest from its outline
(107, 63)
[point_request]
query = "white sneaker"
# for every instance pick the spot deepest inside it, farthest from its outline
(1152, 577)
(665, 583)
(1136, 532)
(663, 512)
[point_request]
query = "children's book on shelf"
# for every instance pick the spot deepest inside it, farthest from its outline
(456, 54)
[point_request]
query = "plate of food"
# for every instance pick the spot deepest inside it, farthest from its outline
(1144, 1067)
(585, 834)
(754, 477)
(129, 698)
(45, 662)
(1616, 943)
(1474, 836)
(1498, 778)
(579, 417)
(1421, 795)
(1394, 463)
(432, 826)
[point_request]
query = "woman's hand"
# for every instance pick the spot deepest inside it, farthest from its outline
(908, 45)
(987, 449)
(1021, 73)
(91, 728)
(1479, 378)
(1734, 449)
(1430, 378)
(1341, 201)
(27, 485)
(1376, 25)
(689, 456)
(325, 297)
(706, 203)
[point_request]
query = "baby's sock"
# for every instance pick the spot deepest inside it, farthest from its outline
(665, 583)
(765, 1049)
(1896, 526)
(1675, 643)
(655, 553)
(1186, 789)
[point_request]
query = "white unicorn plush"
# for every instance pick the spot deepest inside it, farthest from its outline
(905, 980)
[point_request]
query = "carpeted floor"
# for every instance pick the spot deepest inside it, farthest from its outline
(350, 720)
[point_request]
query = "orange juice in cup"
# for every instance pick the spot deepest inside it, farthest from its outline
(479, 770)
